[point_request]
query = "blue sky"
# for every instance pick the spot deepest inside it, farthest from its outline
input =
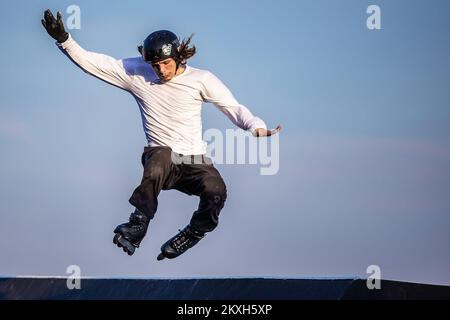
(364, 161)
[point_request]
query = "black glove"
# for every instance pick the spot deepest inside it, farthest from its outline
(55, 27)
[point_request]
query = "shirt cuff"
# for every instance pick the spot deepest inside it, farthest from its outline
(257, 123)
(64, 45)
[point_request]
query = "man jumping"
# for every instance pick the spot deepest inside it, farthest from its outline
(169, 94)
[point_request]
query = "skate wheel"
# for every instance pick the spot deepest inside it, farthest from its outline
(116, 239)
(123, 243)
(161, 256)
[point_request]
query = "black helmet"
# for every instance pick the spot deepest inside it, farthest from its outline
(160, 45)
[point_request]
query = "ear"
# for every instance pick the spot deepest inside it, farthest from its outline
(140, 49)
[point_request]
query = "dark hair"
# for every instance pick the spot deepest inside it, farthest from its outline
(185, 51)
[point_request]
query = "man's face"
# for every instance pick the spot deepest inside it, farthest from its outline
(165, 69)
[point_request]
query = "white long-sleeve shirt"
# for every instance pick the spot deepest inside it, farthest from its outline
(170, 111)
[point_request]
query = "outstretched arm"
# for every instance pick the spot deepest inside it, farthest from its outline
(101, 66)
(217, 93)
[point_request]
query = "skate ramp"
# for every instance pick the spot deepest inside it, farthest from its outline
(31, 288)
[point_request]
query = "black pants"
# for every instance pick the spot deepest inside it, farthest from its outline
(165, 170)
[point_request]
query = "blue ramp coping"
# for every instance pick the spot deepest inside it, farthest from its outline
(56, 288)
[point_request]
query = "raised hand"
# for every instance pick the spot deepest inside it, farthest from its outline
(54, 27)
